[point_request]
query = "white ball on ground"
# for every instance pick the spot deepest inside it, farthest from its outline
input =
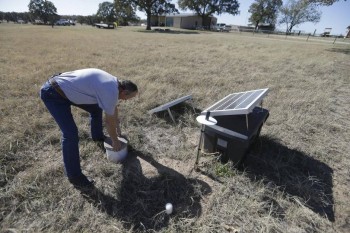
(169, 208)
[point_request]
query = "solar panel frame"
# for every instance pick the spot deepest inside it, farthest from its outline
(237, 103)
(166, 106)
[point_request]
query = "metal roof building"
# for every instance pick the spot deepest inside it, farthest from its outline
(184, 20)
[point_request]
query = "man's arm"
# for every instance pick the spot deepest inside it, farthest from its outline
(119, 132)
(111, 125)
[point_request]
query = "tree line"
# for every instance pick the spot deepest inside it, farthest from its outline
(26, 17)
(291, 12)
(263, 12)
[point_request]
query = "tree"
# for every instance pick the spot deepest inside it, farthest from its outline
(264, 11)
(296, 12)
(24, 16)
(89, 20)
(42, 9)
(154, 7)
(9, 16)
(324, 2)
(206, 8)
(81, 19)
(106, 12)
(125, 12)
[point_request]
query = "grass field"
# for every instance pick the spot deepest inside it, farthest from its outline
(295, 179)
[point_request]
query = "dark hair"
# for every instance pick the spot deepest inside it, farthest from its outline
(128, 86)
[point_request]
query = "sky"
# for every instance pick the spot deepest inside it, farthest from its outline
(336, 16)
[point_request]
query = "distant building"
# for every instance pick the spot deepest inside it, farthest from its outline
(266, 27)
(185, 21)
(348, 34)
(327, 32)
(38, 21)
(246, 28)
(263, 27)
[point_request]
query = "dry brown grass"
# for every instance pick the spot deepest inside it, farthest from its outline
(296, 179)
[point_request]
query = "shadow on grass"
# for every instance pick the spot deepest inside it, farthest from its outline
(296, 173)
(177, 111)
(339, 50)
(141, 201)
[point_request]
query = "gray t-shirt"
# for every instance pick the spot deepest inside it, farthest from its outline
(90, 86)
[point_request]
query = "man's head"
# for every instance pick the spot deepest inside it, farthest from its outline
(127, 90)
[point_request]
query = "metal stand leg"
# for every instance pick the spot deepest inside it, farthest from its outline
(192, 105)
(171, 115)
(199, 148)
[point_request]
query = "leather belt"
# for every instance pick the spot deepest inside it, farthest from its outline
(57, 88)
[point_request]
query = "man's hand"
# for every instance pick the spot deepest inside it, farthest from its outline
(113, 129)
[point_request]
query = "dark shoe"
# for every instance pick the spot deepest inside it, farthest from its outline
(81, 182)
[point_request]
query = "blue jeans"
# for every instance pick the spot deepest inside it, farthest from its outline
(60, 109)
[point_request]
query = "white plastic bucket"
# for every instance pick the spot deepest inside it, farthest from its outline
(116, 156)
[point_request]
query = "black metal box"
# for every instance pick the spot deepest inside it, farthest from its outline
(233, 135)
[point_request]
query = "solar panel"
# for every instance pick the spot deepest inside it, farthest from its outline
(170, 104)
(167, 106)
(237, 103)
